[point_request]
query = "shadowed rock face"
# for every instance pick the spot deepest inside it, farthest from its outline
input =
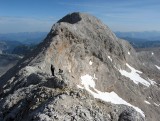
(79, 45)
(71, 18)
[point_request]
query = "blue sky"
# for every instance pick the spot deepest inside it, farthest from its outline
(40, 15)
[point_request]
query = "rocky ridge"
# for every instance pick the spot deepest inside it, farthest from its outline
(97, 77)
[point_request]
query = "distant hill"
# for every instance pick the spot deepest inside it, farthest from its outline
(8, 46)
(7, 61)
(23, 49)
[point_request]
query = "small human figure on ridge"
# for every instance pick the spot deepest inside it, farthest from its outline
(52, 70)
(60, 71)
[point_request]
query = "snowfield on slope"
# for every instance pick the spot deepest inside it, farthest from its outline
(135, 77)
(88, 82)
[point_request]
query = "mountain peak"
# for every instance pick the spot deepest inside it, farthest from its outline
(79, 61)
(72, 18)
(75, 17)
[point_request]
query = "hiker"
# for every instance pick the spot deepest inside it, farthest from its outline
(60, 71)
(52, 70)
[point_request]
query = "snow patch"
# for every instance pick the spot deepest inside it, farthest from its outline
(88, 82)
(152, 82)
(134, 76)
(95, 77)
(90, 62)
(157, 67)
(129, 53)
(147, 102)
(156, 104)
(80, 87)
(152, 53)
(109, 58)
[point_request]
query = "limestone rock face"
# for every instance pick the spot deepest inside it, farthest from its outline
(97, 76)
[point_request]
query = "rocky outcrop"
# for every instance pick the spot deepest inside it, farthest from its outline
(96, 77)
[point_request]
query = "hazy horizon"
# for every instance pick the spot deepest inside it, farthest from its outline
(39, 15)
(49, 30)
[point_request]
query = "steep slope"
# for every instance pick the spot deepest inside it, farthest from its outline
(97, 77)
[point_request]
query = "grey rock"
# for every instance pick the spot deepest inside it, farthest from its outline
(29, 91)
(130, 115)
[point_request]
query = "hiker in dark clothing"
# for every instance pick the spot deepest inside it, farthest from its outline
(52, 70)
(60, 71)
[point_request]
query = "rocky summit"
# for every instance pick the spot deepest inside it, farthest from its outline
(81, 72)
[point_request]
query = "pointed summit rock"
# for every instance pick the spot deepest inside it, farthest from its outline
(81, 71)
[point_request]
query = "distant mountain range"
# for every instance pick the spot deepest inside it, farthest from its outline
(8, 46)
(146, 35)
(22, 43)
(148, 39)
(142, 43)
(36, 37)
(24, 37)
